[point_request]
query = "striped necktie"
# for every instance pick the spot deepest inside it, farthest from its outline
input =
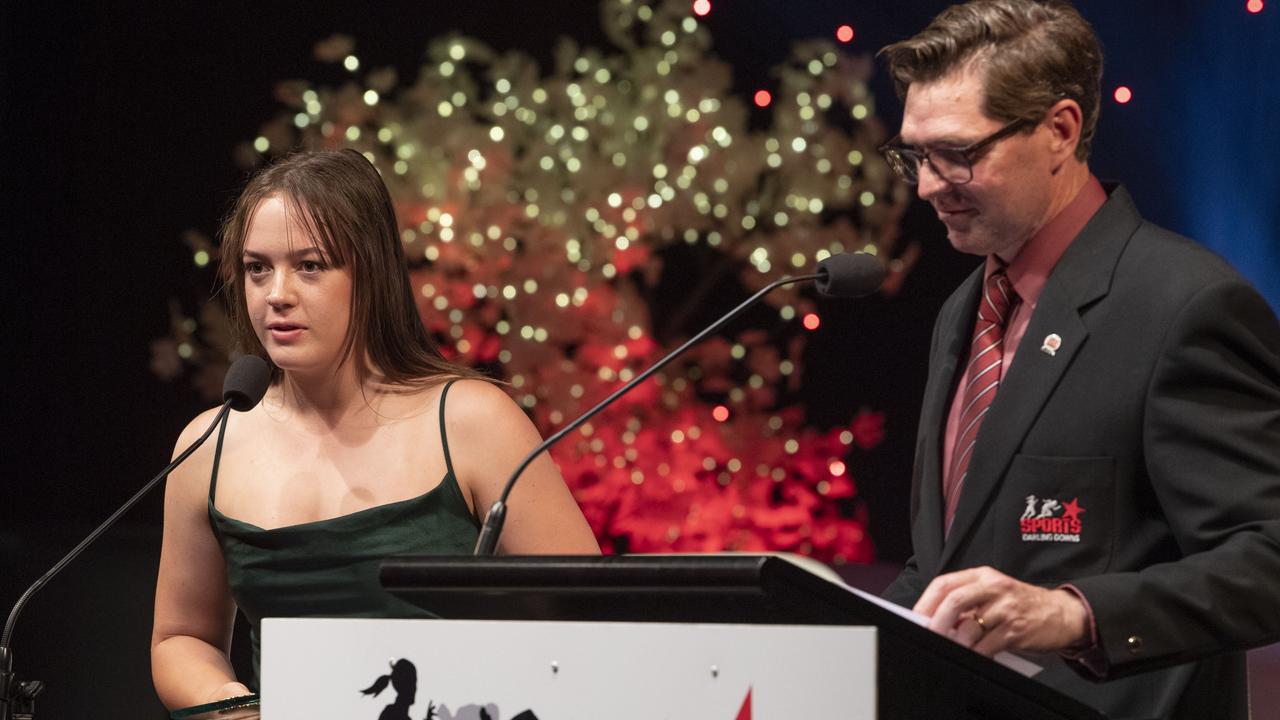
(984, 372)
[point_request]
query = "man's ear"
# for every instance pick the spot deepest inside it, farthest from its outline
(1064, 120)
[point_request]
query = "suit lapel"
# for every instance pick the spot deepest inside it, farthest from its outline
(954, 328)
(1081, 277)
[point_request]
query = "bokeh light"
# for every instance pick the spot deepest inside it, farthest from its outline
(1254, 6)
(763, 98)
(812, 321)
(1123, 94)
(720, 413)
(701, 7)
(844, 33)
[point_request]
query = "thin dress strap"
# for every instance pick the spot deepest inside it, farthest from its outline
(217, 456)
(444, 438)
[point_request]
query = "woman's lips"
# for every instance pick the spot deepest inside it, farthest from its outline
(285, 332)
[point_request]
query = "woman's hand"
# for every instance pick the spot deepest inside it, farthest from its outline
(229, 690)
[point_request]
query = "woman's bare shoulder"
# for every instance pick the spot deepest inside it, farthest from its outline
(194, 429)
(479, 401)
(187, 484)
(478, 414)
(241, 428)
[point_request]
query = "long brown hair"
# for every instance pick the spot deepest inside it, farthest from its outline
(342, 202)
(1030, 54)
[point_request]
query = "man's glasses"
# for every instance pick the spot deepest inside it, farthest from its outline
(954, 165)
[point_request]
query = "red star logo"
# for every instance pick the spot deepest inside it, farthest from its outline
(1072, 510)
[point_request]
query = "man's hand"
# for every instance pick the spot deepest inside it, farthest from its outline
(984, 609)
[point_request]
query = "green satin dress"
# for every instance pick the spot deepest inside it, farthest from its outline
(329, 568)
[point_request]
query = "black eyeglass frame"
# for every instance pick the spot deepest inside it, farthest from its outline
(895, 154)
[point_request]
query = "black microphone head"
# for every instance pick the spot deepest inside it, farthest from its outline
(246, 382)
(849, 275)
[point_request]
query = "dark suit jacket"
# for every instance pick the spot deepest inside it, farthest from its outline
(1159, 416)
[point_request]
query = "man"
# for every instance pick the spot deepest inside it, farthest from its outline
(1098, 464)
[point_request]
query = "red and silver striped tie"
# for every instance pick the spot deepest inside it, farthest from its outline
(984, 372)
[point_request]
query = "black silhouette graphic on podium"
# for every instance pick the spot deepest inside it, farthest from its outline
(403, 678)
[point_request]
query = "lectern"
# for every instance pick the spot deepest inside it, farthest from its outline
(918, 674)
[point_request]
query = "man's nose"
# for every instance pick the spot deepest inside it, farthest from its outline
(929, 183)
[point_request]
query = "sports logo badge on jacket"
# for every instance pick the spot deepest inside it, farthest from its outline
(1050, 520)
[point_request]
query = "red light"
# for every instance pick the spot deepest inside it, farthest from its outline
(720, 413)
(836, 467)
(1254, 6)
(701, 7)
(763, 98)
(1123, 94)
(812, 321)
(844, 33)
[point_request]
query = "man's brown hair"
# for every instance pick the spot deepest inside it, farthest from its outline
(1029, 54)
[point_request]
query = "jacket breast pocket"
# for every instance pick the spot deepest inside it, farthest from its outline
(1053, 518)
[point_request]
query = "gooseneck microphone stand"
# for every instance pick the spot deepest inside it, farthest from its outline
(245, 384)
(17, 698)
(487, 544)
(846, 275)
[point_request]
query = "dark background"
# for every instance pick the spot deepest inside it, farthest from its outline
(118, 123)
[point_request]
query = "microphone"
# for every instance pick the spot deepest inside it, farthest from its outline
(849, 275)
(846, 275)
(245, 384)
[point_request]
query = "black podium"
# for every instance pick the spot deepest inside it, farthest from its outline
(919, 674)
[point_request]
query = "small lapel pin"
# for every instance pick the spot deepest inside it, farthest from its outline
(1052, 342)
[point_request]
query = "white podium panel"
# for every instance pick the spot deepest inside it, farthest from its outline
(509, 670)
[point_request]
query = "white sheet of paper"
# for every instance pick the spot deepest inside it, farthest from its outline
(1007, 659)
(1016, 663)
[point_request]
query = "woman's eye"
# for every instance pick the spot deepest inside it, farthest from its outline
(254, 268)
(311, 266)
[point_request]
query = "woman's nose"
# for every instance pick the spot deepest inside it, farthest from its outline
(281, 292)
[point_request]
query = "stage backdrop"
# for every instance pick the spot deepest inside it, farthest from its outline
(122, 125)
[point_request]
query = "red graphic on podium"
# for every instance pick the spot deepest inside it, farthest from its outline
(744, 712)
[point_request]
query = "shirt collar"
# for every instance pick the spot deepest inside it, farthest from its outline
(1030, 268)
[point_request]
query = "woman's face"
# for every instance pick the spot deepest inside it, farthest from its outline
(299, 304)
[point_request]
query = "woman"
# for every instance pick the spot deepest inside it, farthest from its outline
(351, 456)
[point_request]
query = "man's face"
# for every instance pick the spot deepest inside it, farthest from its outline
(1008, 199)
